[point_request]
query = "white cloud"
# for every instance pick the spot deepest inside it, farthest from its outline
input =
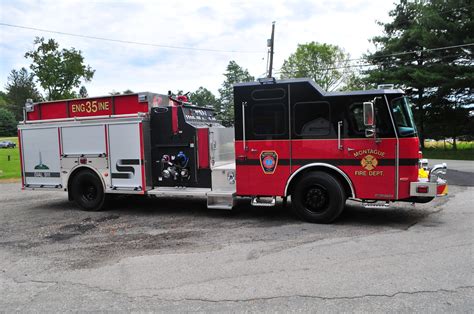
(223, 25)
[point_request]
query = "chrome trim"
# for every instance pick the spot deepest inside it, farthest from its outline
(339, 126)
(397, 149)
(35, 187)
(79, 122)
(437, 169)
(319, 164)
(101, 117)
(179, 191)
(243, 126)
(290, 130)
(256, 201)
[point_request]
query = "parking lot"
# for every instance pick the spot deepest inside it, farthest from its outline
(167, 254)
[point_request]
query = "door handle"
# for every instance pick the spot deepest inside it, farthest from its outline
(253, 150)
(339, 142)
(241, 157)
(350, 149)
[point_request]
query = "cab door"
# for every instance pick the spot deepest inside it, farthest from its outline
(262, 139)
(371, 162)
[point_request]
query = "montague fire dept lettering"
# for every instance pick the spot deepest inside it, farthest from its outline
(369, 151)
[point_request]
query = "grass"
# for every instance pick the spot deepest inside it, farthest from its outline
(444, 150)
(9, 169)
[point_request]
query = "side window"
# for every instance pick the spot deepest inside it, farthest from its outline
(312, 119)
(268, 119)
(382, 120)
(356, 116)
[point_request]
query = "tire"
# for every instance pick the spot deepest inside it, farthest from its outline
(87, 191)
(318, 197)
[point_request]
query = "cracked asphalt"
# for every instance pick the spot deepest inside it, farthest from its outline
(175, 255)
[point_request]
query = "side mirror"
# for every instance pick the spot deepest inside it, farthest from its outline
(369, 119)
(369, 114)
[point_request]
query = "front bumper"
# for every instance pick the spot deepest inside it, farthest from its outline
(429, 183)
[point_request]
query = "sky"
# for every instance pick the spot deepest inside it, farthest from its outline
(237, 29)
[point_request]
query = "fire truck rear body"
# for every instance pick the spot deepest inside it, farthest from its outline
(290, 139)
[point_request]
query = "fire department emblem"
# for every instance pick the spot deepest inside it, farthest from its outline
(369, 162)
(269, 161)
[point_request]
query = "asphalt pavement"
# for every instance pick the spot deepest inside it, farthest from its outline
(176, 255)
(457, 165)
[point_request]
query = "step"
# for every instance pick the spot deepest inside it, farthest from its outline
(376, 205)
(220, 200)
(263, 201)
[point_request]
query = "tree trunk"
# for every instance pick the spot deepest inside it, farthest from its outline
(454, 143)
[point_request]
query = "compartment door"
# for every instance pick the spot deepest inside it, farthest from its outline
(41, 164)
(262, 146)
(126, 153)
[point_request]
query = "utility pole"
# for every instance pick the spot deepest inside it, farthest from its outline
(270, 43)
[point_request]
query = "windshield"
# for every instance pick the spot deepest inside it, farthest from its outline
(403, 117)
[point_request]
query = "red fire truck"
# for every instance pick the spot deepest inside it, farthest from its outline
(290, 138)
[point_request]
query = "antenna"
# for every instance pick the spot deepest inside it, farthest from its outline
(270, 44)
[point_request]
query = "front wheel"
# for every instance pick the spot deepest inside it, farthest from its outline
(87, 191)
(318, 197)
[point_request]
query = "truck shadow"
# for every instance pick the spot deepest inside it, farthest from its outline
(195, 210)
(403, 216)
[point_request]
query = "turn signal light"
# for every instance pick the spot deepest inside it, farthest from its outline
(422, 189)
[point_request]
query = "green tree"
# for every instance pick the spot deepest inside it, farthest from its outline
(442, 77)
(20, 87)
(326, 64)
(58, 71)
(355, 81)
(7, 122)
(115, 93)
(225, 106)
(203, 97)
(3, 99)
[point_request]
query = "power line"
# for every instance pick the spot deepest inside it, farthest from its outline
(125, 41)
(409, 52)
(363, 65)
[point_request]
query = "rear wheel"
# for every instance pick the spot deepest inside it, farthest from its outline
(318, 197)
(87, 191)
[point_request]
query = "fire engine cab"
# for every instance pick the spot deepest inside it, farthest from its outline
(290, 139)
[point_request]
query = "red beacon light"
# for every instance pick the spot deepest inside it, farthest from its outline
(183, 98)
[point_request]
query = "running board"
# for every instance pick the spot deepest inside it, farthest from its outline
(179, 191)
(263, 201)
